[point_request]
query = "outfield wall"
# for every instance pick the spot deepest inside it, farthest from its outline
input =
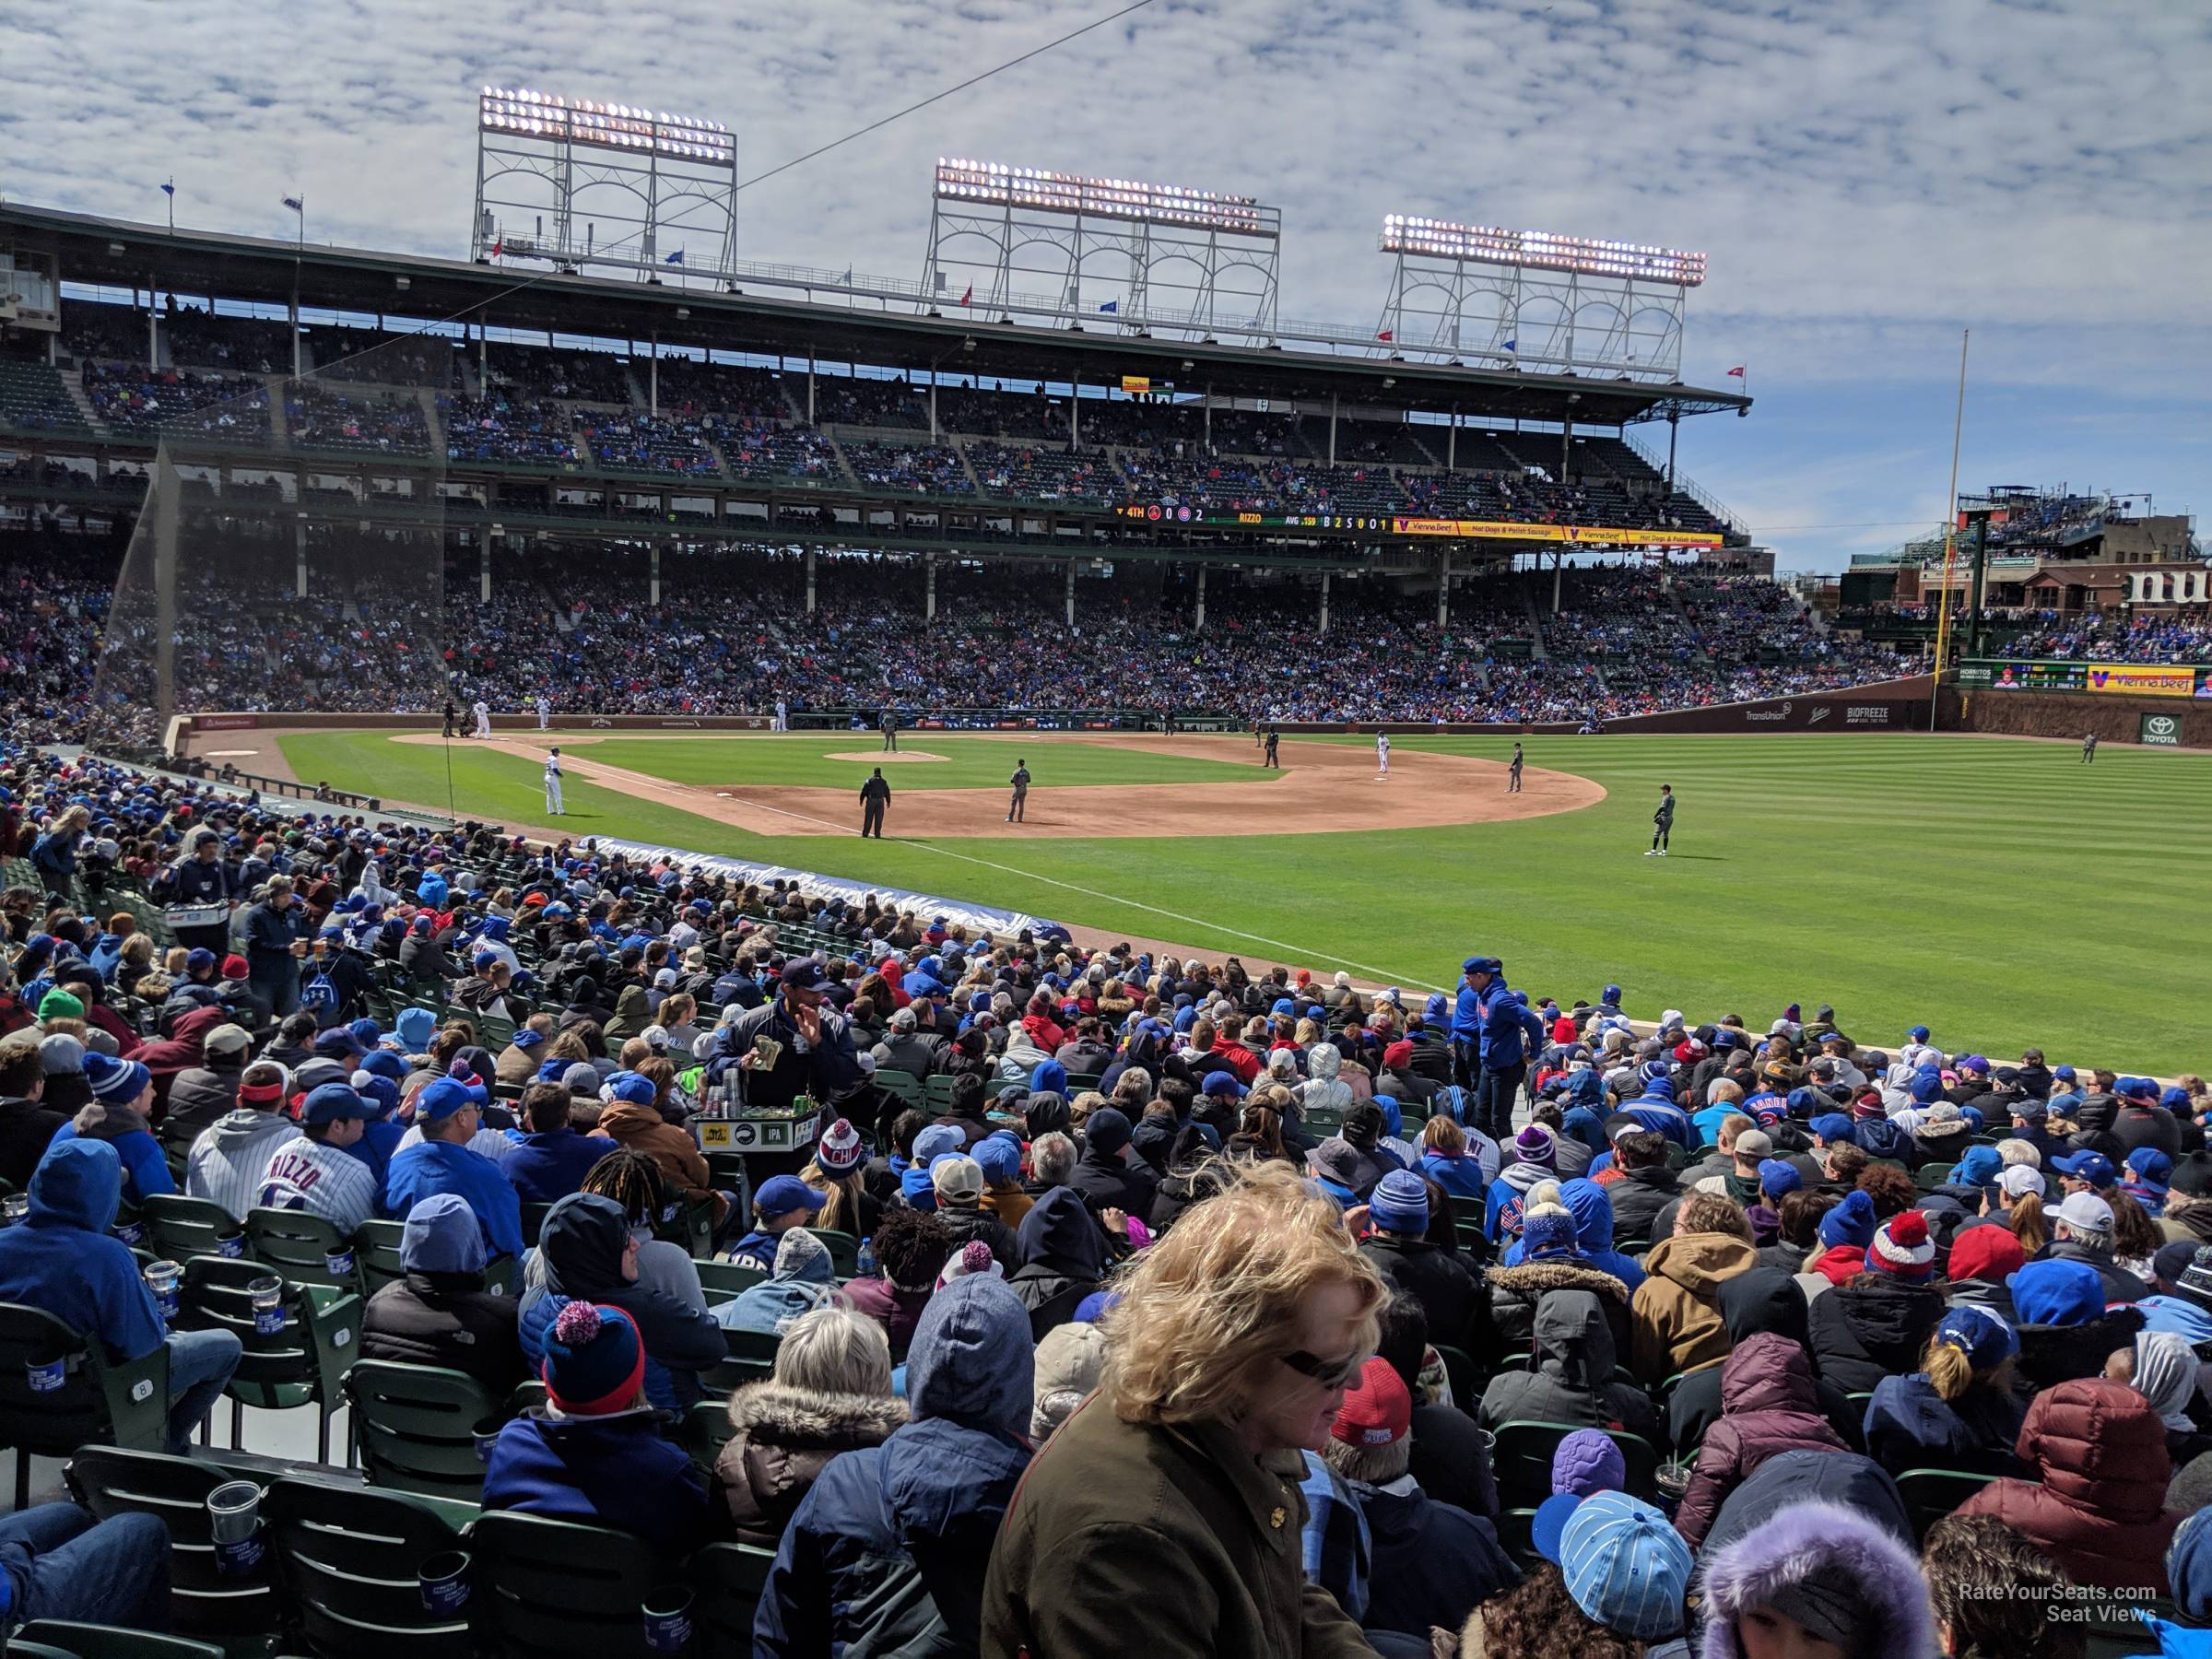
(2065, 715)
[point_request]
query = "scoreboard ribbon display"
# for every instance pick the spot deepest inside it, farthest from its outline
(1457, 529)
(2103, 679)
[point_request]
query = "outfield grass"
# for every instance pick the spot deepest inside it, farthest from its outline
(1997, 890)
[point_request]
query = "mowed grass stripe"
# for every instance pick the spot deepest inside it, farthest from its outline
(1999, 891)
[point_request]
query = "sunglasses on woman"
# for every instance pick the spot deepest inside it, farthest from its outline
(1329, 1373)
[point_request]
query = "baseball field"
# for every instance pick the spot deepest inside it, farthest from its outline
(1997, 890)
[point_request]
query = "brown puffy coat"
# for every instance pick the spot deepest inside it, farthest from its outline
(783, 1437)
(1768, 1405)
(683, 1165)
(1674, 1322)
(2100, 1512)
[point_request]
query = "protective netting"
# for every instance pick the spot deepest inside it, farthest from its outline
(290, 554)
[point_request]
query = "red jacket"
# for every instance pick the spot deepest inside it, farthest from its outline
(1840, 1264)
(2100, 1512)
(1236, 1059)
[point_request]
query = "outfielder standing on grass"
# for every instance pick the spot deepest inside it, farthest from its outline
(1017, 808)
(553, 805)
(1663, 821)
(1512, 772)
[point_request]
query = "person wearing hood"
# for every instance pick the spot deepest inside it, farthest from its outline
(1675, 1318)
(229, 1162)
(198, 1094)
(449, 1113)
(594, 1452)
(1397, 1220)
(1764, 1300)
(1546, 1261)
(830, 1393)
(437, 1312)
(2097, 1506)
(1324, 1089)
(630, 1118)
(1536, 1157)
(2162, 1368)
(886, 1552)
(123, 1096)
(1107, 1176)
(589, 1252)
(803, 1280)
(62, 1260)
(1062, 1259)
(633, 1013)
(1592, 1206)
(2066, 1330)
(1816, 1576)
(1875, 1324)
(1190, 1179)
(1570, 1376)
(1768, 1405)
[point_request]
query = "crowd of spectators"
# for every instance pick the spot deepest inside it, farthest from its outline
(1208, 1311)
(2101, 637)
(147, 401)
(506, 429)
(364, 422)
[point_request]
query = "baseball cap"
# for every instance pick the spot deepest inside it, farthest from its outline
(804, 974)
(1377, 1410)
(2087, 1213)
(780, 1194)
(958, 1178)
(332, 1102)
(448, 1095)
(1625, 1566)
(2092, 1167)
(227, 1039)
(1754, 1143)
(1223, 1083)
(2019, 1180)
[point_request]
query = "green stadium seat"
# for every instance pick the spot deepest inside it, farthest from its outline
(44, 1637)
(546, 1587)
(350, 1560)
(415, 1427)
(302, 1363)
(728, 1580)
(95, 1403)
(203, 1600)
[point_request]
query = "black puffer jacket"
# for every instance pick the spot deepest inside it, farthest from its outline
(1062, 1257)
(965, 1225)
(201, 1094)
(1458, 1312)
(1872, 1327)
(446, 1319)
(1571, 1380)
(1637, 1198)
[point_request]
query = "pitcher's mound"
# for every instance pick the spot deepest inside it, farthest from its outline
(883, 758)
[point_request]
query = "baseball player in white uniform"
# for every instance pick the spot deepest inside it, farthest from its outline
(482, 711)
(553, 803)
(1382, 756)
(545, 711)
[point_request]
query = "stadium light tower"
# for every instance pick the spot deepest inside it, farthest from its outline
(1536, 299)
(613, 186)
(1102, 250)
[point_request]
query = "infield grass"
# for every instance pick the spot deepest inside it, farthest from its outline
(1996, 890)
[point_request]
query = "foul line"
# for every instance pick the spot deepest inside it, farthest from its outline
(1289, 949)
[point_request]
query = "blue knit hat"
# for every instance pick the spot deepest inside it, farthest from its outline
(1778, 1176)
(1400, 1203)
(1850, 1222)
(1551, 1232)
(594, 1362)
(2056, 1293)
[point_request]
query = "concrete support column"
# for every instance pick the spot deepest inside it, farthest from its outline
(1558, 565)
(1075, 415)
(299, 546)
(810, 552)
(653, 379)
(1451, 442)
(1198, 620)
(1324, 600)
(1332, 428)
(810, 388)
(933, 406)
(653, 580)
(1443, 589)
(929, 611)
(1071, 592)
(484, 567)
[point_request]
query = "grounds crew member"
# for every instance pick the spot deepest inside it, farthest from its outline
(875, 796)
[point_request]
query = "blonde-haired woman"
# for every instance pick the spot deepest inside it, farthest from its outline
(1959, 1410)
(53, 854)
(1176, 1485)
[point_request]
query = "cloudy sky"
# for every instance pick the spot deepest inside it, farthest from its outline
(1867, 178)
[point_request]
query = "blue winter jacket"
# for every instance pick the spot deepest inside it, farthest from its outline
(619, 1470)
(1658, 1112)
(1461, 1176)
(1592, 1207)
(62, 1261)
(1466, 1013)
(1506, 1025)
(776, 1300)
(1910, 1426)
(2178, 1314)
(430, 1166)
(145, 1170)
(546, 1165)
(887, 1553)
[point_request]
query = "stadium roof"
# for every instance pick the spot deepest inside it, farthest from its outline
(125, 253)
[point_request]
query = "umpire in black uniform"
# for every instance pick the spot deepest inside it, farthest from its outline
(875, 796)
